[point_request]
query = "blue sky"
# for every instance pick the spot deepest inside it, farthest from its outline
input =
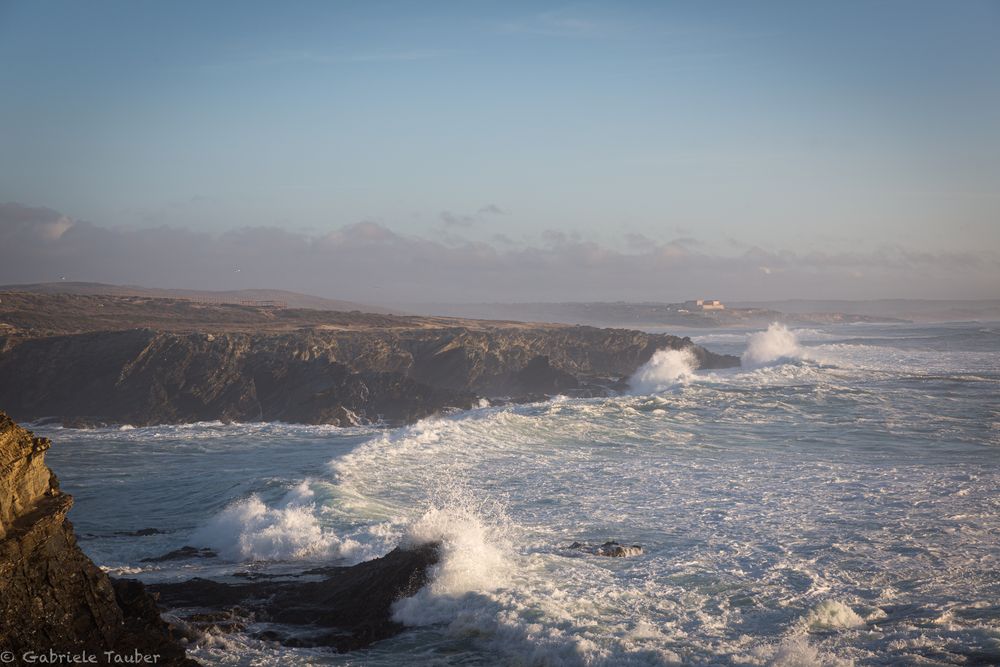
(790, 129)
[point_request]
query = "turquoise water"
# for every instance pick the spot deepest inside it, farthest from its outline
(834, 501)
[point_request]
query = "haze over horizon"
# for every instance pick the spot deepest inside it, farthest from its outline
(458, 152)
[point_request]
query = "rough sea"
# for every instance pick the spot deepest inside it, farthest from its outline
(835, 501)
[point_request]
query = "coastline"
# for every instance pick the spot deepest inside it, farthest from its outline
(213, 362)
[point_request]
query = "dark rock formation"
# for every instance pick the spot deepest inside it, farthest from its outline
(349, 609)
(344, 377)
(611, 549)
(539, 375)
(52, 597)
(184, 553)
(142, 377)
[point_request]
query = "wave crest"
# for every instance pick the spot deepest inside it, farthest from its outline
(249, 530)
(775, 344)
(664, 369)
(475, 544)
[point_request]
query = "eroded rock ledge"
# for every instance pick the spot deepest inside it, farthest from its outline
(52, 597)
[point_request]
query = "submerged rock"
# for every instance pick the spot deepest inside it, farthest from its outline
(142, 532)
(184, 553)
(52, 597)
(350, 608)
(611, 549)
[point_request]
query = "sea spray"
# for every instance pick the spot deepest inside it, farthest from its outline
(831, 615)
(796, 651)
(664, 369)
(476, 544)
(249, 530)
(774, 344)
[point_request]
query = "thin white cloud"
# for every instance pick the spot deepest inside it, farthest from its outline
(451, 219)
(307, 57)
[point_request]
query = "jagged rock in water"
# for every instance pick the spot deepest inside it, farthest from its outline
(349, 609)
(52, 597)
(611, 549)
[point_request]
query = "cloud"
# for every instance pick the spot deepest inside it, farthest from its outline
(491, 209)
(452, 220)
(395, 56)
(469, 219)
(565, 23)
(300, 57)
(369, 261)
(16, 220)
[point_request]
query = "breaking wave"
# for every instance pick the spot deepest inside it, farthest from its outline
(664, 369)
(475, 548)
(249, 530)
(777, 343)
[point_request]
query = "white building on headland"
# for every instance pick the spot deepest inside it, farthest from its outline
(704, 304)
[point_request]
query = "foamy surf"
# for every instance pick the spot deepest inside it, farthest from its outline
(249, 530)
(664, 369)
(791, 513)
(776, 344)
(476, 556)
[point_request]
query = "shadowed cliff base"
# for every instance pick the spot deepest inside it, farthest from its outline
(82, 361)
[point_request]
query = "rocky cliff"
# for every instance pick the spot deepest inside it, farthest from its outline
(52, 597)
(238, 364)
(339, 377)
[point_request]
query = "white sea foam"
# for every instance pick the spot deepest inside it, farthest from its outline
(777, 343)
(796, 651)
(249, 530)
(475, 549)
(664, 369)
(758, 494)
(832, 615)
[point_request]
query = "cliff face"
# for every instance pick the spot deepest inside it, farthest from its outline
(312, 376)
(52, 597)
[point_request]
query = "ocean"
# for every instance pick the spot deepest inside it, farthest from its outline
(834, 501)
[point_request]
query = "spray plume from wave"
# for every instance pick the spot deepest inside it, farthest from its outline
(475, 543)
(250, 530)
(777, 343)
(664, 369)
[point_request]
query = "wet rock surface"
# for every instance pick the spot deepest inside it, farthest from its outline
(609, 549)
(349, 608)
(184, 553)
(52, 597)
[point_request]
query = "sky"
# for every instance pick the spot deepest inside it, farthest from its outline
(504, 151)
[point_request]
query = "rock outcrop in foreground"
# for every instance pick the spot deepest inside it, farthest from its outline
(52, 597)
(348, 609)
